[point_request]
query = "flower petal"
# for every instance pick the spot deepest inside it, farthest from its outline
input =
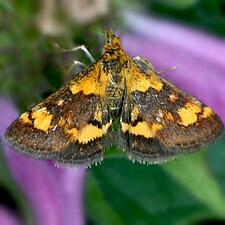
(8, 218)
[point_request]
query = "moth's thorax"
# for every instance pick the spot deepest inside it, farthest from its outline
(114, 64)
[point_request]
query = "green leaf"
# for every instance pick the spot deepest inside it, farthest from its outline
(99, 211)
(216, 163)
(186, 190)
(142, 194)
(193, 173)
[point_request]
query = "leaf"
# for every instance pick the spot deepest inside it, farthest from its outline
(216, 163)
(99, 211)
(186, 190)
(194, 174)
(142, 194)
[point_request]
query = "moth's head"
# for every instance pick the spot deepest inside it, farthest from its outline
(111, 41)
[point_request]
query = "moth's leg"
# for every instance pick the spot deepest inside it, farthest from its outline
(73, 69)
(167, 69)
(76, 66)
(81, 47)
(146, 65)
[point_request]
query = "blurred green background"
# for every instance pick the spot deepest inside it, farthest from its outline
(117, 192)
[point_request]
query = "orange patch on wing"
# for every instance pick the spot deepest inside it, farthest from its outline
(87, 133)
(156, 127)
(207, 112)
(42, 119)
(188, 113)
(72, 132)
(94, 83)
(142, 129)
(137, 81)
(25, 118)
(62, 122)
(156, 83)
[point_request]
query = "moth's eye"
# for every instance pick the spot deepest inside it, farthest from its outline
(109, 41)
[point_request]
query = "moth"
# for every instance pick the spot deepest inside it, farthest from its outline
(116, 101)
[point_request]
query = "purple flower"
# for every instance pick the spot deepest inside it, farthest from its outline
(8, 218)
(55, 194)
(199, 57)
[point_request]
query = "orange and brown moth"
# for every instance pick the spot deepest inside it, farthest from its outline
(74, 125)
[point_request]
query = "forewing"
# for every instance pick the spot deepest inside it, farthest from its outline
(68, 126)
(162, 120)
